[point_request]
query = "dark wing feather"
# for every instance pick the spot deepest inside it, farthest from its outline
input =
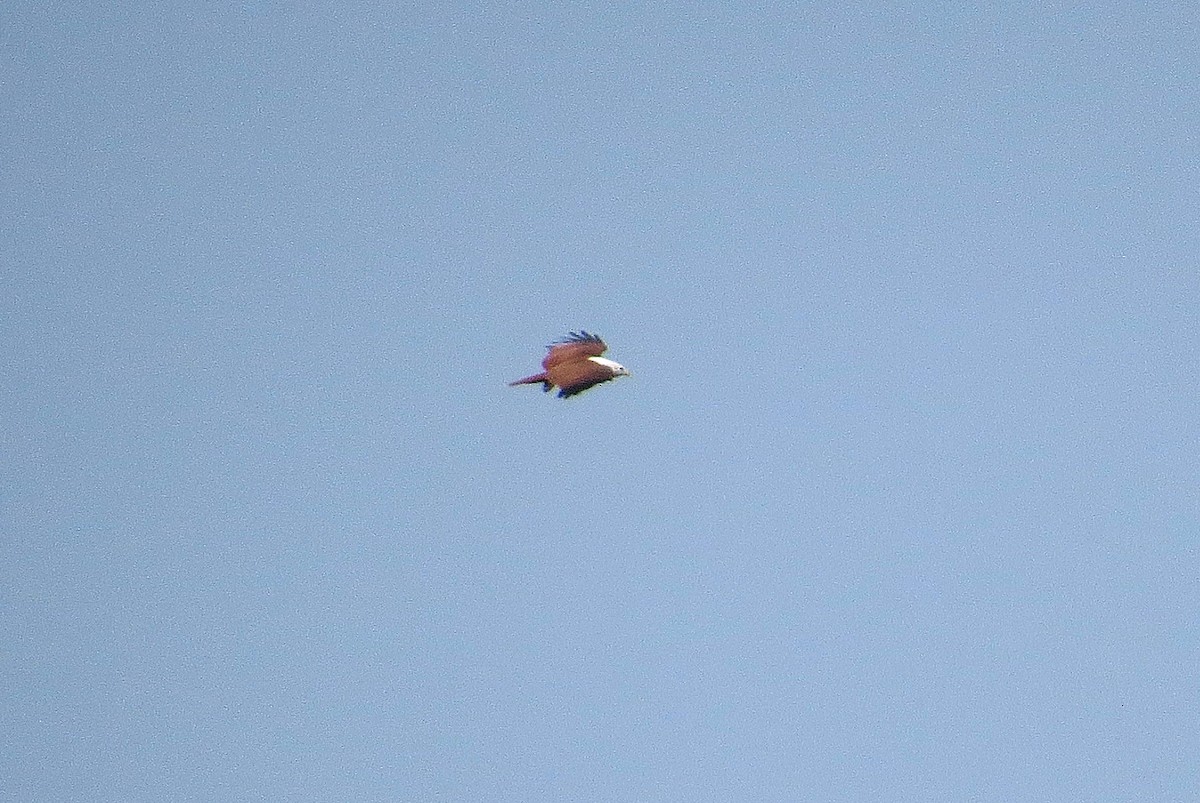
(576, 346)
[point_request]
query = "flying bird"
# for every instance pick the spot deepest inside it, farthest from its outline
(574, 364)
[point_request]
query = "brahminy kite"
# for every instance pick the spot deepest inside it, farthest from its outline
(574, 364)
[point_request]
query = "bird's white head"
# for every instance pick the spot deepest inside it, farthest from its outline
(616, 367)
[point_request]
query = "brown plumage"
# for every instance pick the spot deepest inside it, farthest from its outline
(574, 364)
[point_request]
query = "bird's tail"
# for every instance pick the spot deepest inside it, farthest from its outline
(533, 380)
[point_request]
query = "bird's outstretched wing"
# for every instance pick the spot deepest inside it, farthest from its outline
(576, 346)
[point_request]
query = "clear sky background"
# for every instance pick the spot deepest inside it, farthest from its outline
(900, 503)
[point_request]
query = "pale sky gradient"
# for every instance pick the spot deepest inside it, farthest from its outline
(900, 503)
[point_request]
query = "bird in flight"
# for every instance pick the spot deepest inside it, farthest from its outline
(574, 364)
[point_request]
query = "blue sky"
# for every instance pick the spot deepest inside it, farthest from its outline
(900, 502)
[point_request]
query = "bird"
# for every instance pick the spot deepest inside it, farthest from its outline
(574, 364)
